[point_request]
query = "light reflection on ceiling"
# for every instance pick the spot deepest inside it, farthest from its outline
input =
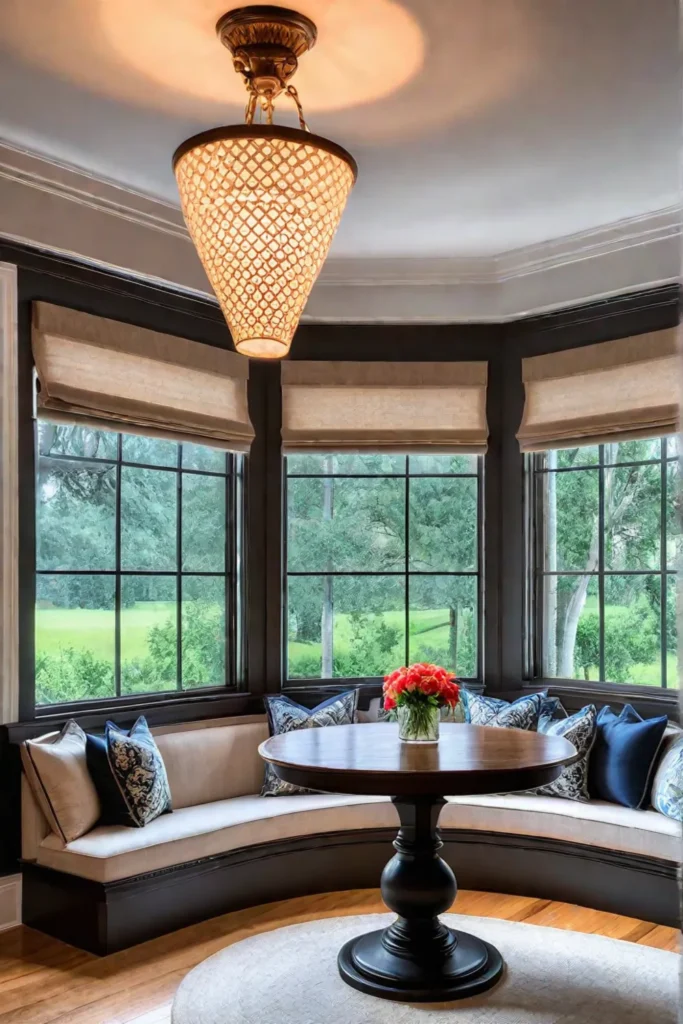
(385, 68)
(166, 53)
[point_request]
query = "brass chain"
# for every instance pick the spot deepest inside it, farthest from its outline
(291, 91)
(267, 105)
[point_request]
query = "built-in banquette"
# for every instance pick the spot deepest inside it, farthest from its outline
(224, 846)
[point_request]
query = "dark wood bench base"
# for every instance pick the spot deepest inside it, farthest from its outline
(105, 917)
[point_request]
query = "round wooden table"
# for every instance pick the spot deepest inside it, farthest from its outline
(418, 958)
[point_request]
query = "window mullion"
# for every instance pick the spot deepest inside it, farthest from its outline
(663, 599)
(601, 558)
(406, 526)
(179, 578)
(117, 567)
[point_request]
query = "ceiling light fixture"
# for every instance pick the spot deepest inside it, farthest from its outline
(262, 202)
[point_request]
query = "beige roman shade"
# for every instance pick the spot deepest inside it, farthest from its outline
(115, 375)
(617, 390)
(399, 407)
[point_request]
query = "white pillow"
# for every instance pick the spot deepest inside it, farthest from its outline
(57, 772)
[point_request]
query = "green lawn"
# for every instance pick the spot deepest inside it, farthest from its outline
(83, 628)
(93, 629)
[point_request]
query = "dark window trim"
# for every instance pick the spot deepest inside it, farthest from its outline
(297, 683)
(651, 700)
(161, 712)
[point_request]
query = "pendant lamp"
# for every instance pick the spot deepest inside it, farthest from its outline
(262, 202)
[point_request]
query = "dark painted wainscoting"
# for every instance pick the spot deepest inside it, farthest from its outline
(104, 918)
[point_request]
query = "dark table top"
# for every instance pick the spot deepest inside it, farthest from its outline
(370, 759)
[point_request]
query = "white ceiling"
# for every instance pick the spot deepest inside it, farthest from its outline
(503, 124)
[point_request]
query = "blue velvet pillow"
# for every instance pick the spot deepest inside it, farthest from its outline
(623, 756)
(129, 775)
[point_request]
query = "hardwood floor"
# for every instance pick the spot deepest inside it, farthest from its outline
(43, 981)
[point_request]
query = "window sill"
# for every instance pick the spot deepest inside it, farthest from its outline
(183, 708)
(648, 700)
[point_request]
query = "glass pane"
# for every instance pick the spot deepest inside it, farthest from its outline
(568, 458)
(632, 630)
(153, 451)
(345, 626)
(204, 617)
(74, 638)
(571, 625)
(443, 524)
(86, 442)
(674, 510)
(571, 520)
(442, 464)
(348, 524)
(75, 515)
(673, 584)
(632, 451)
(633, 509)
(346, 463)
(148, 519)
(203, 523)
(198, 456)
(443, 622)
(148, 634)
(674, 446)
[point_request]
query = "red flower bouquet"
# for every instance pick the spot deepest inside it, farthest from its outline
(416, 693)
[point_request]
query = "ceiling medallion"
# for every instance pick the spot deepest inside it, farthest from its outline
(262, 202)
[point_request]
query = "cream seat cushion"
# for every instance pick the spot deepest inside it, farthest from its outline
(109, 853)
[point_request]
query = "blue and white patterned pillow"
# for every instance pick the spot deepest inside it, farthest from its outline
(129, 775)
(552, 710)
(520, 714)
(667, 787)
(285, 715)
(581, 730)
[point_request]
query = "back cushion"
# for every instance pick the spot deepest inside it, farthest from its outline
(215, 763)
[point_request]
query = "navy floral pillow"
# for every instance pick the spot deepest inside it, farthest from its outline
(285, 715)
(129, 775)
(523, 713)
(581, 730)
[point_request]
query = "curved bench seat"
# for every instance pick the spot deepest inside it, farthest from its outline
(111, 853)
(225, 847)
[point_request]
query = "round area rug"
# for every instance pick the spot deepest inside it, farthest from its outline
(289, 976)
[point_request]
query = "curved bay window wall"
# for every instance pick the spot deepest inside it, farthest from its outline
(136, 562)
(608, 546)
(383, 556)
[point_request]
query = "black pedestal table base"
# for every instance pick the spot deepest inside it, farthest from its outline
(419, 959)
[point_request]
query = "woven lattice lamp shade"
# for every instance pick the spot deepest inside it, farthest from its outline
(262, 204)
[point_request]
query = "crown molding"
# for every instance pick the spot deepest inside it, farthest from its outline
(59, 208)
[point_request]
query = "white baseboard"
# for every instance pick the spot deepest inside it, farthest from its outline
(10, 902)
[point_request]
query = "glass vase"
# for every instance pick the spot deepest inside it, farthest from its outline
(418, 723)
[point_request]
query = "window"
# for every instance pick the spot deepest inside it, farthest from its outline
(607, 547)
(383, 554)
(137, 588)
